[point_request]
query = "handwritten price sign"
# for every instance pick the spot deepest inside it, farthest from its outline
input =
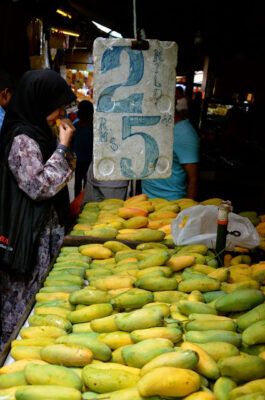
(134, 100)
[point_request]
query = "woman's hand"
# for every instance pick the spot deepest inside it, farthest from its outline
(66, 130)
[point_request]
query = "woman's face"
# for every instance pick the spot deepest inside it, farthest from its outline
(56, 114)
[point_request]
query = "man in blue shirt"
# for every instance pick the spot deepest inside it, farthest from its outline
(183, 181)
(6, 91)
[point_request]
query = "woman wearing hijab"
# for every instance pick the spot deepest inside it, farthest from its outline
(34, 171)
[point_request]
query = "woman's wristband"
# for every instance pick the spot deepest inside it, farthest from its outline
(61, 149)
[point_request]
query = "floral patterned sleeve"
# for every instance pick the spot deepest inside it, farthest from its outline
(39, 181)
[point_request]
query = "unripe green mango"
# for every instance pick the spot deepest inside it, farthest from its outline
(206, 325)
(187, 307)
(133, 298)
(257, 385)
(154, 260)
(173, 334)
(156, 283)
(107, 380)
(242, 367)
(218, 350)
(73, 279)
(70, 264)
(240, 300)
(187, 359)
(50, 320)
(167, 271)
(210, 296)
(87, 296)
(139, 319)
(204, 284)
(255, 314)
(63, 288)
(97, 272)
(13, 379)
(91, 312)
(82, 327)
(56, 303)
(214, 336)
(51, 375)
(69, 355)
(254, 350)
(71, 271)
(169, 296)
(188, 274)
(255, 333)
(42, 392)
(115, 339)
(139, 354)
(99, 349)
(222, 388)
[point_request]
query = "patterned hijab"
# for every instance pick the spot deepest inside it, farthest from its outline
(38, 94)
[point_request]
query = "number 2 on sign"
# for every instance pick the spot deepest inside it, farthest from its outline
(132, 104)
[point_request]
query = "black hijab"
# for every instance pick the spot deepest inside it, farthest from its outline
(38, 94)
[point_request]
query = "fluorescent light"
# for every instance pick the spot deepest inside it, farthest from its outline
(115, 34)
(107, 30)
(63, 13)
(70, 33)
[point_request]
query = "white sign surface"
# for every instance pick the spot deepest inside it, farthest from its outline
(134, 101)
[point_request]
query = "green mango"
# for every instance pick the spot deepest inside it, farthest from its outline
(99, 349)
(89, 313)
(12, 379)
(222, 387)
(139, 354)
(255, 333)
(190, 307)
(42, 392)
(255, 314)
(204, 284)
(139, 319)
(169, 296)
(50, 320)
(240, 300)
(87, 296)
(242, 367)
(214, 336)
(133, 298)
(173, 334)
(155, 283)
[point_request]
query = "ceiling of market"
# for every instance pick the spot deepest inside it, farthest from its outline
(199, 27)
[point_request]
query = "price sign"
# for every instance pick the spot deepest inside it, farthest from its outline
(134, 100)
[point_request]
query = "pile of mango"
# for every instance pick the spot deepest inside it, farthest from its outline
(138, 218)
(112, 322)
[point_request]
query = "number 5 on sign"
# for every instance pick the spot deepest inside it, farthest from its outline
(134, 101)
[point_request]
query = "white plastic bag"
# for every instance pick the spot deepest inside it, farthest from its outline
(201, 228)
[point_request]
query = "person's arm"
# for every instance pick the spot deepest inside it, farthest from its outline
(192, 171)
(39, 181)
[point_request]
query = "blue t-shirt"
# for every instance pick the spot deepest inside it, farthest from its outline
(83, 142)
(185, 151)
(2, 116)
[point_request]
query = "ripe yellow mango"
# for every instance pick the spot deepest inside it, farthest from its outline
(129, 212)
(138, 197)
(26, 352)
(115, 339)
(136, 222)
(173, 334)
(157, 259)
(206, 366)
(115, 246)
(19, 365)
(163, 307)
(97, 251)
(68, 355)
(158, 223)
(114, 282)
(169, 381)
(201, 395)
(104, 325)
(38, 341)
(176, 263)
(41, 297)
(160, 214)
(41, 331)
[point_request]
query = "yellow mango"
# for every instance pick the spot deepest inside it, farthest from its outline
(19, 365)
(136, 222)
(206, 366)
(115, 339)
(129, 212)
(158, 223)
(89, 313)
(97, 251)
(176, 263)
(68, 355)
(115, 246)
(148, 235)
(201, 396)
(40, 297)
(38, 341)
(41, 331)
(25, 352)
(158, 215)
(43, 392)
(114, 282)
(169, 381)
